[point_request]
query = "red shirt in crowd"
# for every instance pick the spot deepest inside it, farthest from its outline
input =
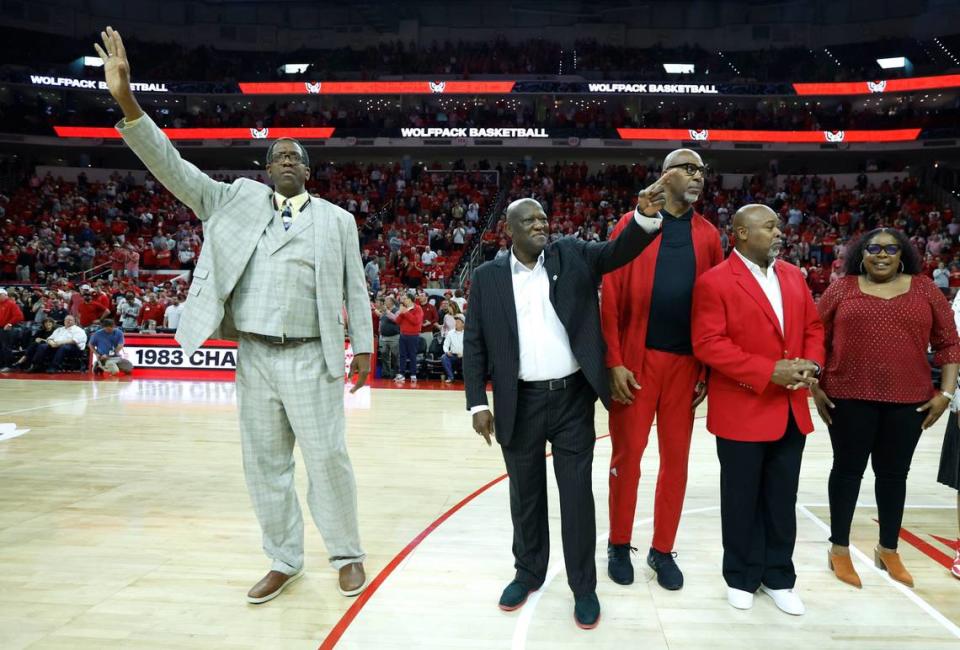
(430, 317)
(877, 348)
(151, 311)
(88, 312)
(10, 313)
(411, 321)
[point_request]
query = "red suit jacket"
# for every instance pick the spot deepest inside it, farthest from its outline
(626, 293)
(737, 335)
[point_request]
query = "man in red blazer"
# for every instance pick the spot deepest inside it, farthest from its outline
(652, 368)
(756, 327)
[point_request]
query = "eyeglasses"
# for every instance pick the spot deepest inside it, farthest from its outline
(691, 170)
(890, 249)
(282, 156)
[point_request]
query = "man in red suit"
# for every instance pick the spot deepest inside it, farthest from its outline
(652, 368)
(756, 327)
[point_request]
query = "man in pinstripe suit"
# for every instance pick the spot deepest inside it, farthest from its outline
(533, 323)
(276, 268)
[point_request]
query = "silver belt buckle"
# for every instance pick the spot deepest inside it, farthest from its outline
(561, 383)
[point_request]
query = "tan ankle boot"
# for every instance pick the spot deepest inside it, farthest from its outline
(890, 562)
(842, 567)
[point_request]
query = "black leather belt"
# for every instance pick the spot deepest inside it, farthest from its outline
(554, 384)
(281, 340)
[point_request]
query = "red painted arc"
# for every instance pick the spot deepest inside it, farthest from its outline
(341, 627)
(367, 594)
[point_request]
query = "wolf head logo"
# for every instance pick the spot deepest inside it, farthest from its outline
(313, 88)
(833, 136)
(699, 134)
(438, 86)
(876, 86)
(259, 134)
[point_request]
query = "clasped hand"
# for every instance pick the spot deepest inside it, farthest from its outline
(794, 374)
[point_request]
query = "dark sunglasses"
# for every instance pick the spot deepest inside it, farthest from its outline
(691, 170)
(890, 249)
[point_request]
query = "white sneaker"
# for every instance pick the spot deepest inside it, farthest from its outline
(739, 598)
(400, 379)
(786, 599)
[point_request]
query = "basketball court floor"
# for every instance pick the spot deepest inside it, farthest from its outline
(125, 523)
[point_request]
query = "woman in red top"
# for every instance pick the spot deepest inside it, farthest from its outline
(875, 394)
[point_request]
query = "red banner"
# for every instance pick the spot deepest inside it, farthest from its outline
(108, 132)
(377, 87)
(881, 86)
(732, 135)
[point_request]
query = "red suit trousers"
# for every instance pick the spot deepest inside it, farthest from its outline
(667, 383)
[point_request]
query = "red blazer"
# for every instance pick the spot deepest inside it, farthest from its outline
(625, 295)
(737, 335)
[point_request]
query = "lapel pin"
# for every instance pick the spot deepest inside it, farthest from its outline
(554, 278)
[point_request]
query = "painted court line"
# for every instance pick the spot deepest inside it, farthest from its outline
(52, 405)
(522, 627)
(906, 591)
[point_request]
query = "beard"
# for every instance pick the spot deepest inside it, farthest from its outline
(774, 251)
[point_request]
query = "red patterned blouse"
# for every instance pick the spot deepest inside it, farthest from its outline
(877, 348)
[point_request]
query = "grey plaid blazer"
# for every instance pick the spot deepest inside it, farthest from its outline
(234, 216)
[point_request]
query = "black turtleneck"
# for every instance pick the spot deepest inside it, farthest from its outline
(668, 327)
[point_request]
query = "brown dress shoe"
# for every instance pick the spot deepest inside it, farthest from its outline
(842, 567)
(270, 586)
(891, 563)
(352, 579)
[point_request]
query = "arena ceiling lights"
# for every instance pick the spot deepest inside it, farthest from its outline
(893, 62)
(377, 87)
(678, 68)
(295, 68)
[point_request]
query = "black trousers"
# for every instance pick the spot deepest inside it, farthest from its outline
(886, 432)
(758, 497)
(565, 419)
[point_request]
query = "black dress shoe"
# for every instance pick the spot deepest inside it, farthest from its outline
(514, 596)
(668, 573)
(586, 611)
(619, 567)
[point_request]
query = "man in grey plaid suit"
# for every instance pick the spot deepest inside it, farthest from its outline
(276, 268)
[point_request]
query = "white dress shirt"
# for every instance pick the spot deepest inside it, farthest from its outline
(72, 334)
(545, 351)
(770, 285)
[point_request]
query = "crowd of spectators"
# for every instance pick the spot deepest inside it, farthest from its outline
(819, 218)
(414, 226)
(124, 250)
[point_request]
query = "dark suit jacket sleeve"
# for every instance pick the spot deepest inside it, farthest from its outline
(604, 257)
(475, 352)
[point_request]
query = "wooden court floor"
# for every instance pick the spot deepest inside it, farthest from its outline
(125, 523)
